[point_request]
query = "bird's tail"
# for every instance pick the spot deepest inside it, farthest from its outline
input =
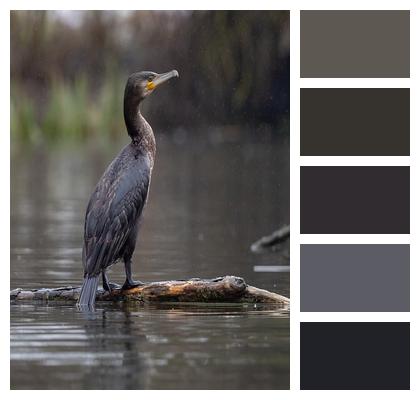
(88, 291)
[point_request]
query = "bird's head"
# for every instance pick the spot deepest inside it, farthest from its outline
(141, 84)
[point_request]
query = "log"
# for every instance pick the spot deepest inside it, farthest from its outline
(227, 289)
(273, 242)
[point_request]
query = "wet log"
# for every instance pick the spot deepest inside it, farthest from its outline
(227, 289)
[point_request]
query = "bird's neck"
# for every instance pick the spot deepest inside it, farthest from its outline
(138, 128)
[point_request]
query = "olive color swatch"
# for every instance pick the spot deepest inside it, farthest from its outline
(355, 122)
(356, 200)
(355, 44)
(355, 355)
(355, 277)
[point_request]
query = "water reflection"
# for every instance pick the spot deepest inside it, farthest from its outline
(162, 347)
(209, 201)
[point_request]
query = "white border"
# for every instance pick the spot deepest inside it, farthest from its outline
(296, 161)
(294, 198)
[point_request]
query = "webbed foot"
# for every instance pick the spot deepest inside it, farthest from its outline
(110, 286)
(131, 284)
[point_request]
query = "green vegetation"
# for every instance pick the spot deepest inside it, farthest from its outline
(68, 69)
(69, 113)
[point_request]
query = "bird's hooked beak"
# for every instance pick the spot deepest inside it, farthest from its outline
(161, 78)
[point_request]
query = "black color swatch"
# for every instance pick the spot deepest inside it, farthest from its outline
(354, 200)
(355, 122)
(355, 355)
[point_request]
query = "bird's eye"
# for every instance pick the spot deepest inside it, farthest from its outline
(150, 79)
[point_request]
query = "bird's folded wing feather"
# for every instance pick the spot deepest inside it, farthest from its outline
(112, 213)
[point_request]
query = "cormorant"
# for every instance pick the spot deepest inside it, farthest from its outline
(115, 207)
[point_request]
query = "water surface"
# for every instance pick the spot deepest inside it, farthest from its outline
(210, 198)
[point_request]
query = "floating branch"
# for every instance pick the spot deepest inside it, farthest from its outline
(227, 289)
(272, 242)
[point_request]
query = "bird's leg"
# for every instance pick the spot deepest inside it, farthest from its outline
(129, 283)
(107, 285)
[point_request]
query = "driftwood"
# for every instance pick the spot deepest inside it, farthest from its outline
(227, 289)
(272, 242)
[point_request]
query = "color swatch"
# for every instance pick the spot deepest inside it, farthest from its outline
(355, 355)
(355, 44)
(365, 118)
(355, 200)
(355, 122)
(355, 277)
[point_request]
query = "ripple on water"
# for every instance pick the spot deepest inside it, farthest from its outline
(186, 233)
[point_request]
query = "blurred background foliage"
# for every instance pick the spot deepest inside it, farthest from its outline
(69, 69)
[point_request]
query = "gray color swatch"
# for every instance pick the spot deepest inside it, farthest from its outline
(355, 122)
(348, 277)
(355, 44)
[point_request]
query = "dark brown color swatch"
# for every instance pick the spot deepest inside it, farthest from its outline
(354, 200)
(355, 44)
(355, 122)
(355, 355)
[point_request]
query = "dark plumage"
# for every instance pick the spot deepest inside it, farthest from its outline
(115, 207)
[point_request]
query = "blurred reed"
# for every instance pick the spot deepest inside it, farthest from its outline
(69, 68)
(69, 112)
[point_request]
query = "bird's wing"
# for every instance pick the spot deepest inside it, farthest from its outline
(113, 211)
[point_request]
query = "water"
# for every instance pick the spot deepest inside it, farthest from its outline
(210, 198)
